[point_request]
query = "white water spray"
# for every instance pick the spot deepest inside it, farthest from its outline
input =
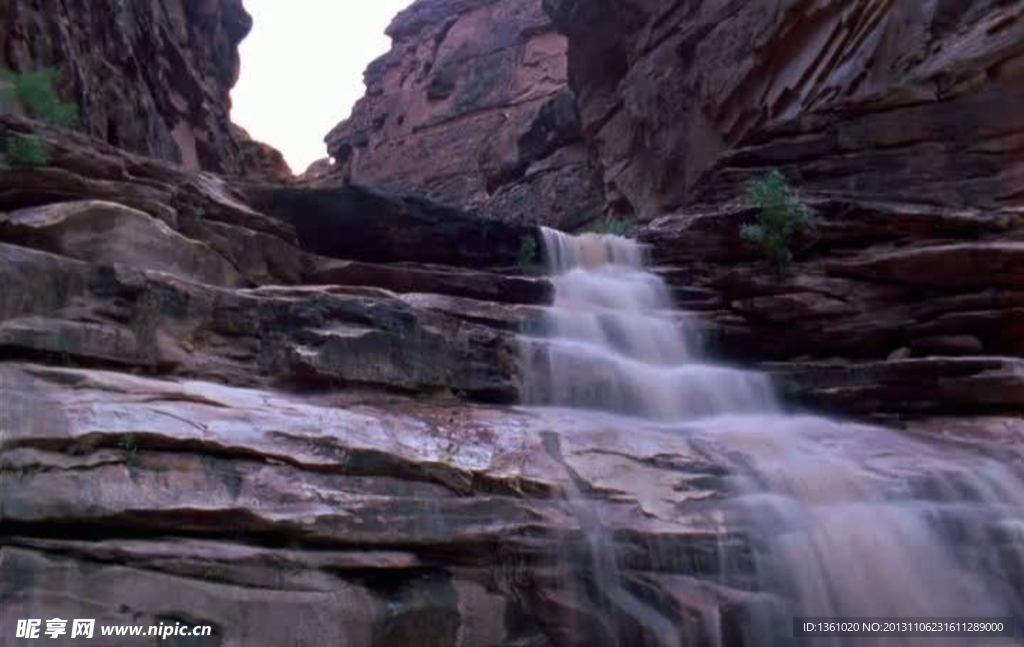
(847, 520)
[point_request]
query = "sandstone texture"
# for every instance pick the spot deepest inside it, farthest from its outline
(362, 525)
(113, 259)
(470, 108)
(205, 423)
(230, 401)
(149, 77)
(869, 99)
(898, 125)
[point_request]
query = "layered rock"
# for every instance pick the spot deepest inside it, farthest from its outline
(369, 526)
(116, 260)
(867, 99)
(894, 121)
(206, 424)
(229, 403)
(334, 222)
(470, 108)
(149, 77)
(872, 279)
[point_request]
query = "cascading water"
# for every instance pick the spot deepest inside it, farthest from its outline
(846, 520)
(613, 342)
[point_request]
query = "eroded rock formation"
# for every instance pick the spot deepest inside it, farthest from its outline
(113, 259)
(204, 423)
(149, 77)
(898, 124)
(869, 99)
(470, 107)
(230, 402)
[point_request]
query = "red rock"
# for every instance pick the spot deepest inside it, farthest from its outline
(865, 98)
(987, 264)
(470, 108)
(149, 77)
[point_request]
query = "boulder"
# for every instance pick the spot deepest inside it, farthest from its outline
(106, 233)
(368, 224)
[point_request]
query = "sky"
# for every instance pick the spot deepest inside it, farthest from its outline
(302, 69)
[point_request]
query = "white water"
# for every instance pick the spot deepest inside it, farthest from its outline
(847, 520)
(613, 342)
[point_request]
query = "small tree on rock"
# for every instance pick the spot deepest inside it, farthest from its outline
(781, 216)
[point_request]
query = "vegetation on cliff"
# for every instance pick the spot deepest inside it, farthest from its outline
(34, 94)
(781, 216)
(613, 227)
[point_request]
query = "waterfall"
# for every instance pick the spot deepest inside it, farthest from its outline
(845, 519)
(612, 341)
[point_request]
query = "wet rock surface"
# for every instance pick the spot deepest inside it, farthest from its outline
(209, 503)
(361, 518)
(232, 402)
(892, 123)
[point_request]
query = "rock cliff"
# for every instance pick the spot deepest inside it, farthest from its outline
(868, 99)
(229, 402)
(898, 124)
(470, 107)
(149, 77)
(204, 423)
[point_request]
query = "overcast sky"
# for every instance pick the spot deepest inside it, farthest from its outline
(302, 69)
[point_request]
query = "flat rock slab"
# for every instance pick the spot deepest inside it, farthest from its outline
(317, 335)
(926, 386)
(157, 499)
(108, 232)
(977, 265)
(483, 286)
(132, 499)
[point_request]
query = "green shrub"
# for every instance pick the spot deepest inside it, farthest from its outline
(780, 217)
(130, 449)
(614, 227)
(35, 93)
(528, 257)
(27, 150)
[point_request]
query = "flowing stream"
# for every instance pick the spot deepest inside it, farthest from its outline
(846, 520)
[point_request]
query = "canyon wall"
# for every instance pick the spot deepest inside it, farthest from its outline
(875, 99)
(150, 77)
(204, 421)
(899, 125)
(232, 402)
(470, 107)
